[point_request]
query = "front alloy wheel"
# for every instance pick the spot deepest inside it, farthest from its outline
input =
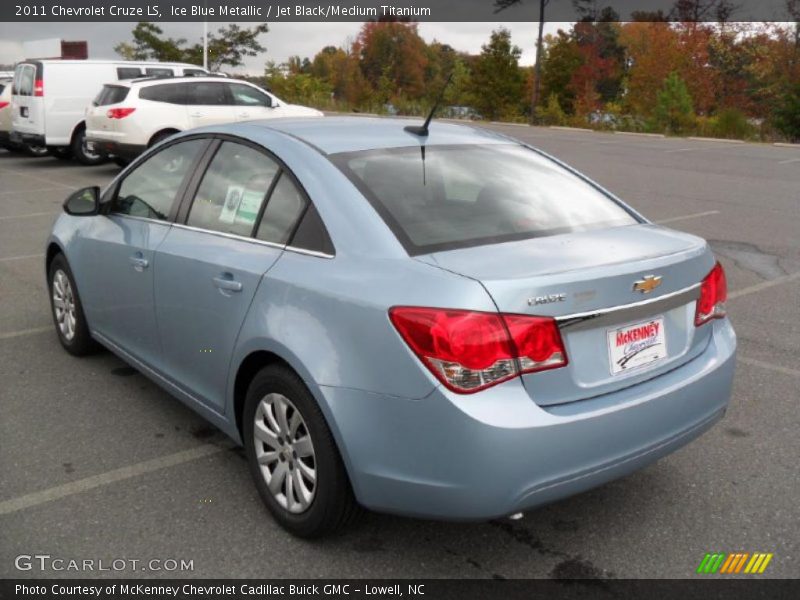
(71, 327)
(64, 305)
(285, 452)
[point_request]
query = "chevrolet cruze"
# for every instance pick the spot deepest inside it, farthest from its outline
(442, 323)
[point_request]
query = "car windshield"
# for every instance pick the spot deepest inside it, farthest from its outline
(469, 195)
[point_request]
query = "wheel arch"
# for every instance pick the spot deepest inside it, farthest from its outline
(53, 248)
(78, 126)
(160, 132)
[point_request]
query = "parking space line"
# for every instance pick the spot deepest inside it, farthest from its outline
(23, 332)
(95, 481)
(23, 257)
(787, 162)
(61, 186)
(763, 285)
(769, 366)
(28, 216)
(685, 217)
(50, 189)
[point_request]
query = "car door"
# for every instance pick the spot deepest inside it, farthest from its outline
(210, 266)
(119, 249)
(250, 102)
(209, 103)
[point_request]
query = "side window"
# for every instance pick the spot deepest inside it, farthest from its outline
(151, 188)
(195, 72)
(159, 72)
(128, 73)
(284, 208)
(208, 93)
(311, 233)
(170, 93)
(233, 189)
(244, 95)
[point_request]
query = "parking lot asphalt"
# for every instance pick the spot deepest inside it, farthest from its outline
(96, 462)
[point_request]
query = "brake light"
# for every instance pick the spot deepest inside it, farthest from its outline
(119, 113)
(3, 104)
(469, 351)
(713, 294)
(38, 88)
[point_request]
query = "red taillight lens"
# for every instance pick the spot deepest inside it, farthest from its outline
(119, 113)
(713, 294)
(38, 88)
(470, 351)
(3, 105)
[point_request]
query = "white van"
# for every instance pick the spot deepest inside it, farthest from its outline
(50, 97)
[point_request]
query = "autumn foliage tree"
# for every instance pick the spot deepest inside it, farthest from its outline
(497, 82)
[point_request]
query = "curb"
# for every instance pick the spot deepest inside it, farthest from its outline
(720, 140)
(786, 145)
(560, 128)
(512, 124)
(638, 134)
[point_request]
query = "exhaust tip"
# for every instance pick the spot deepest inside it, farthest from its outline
(516, 516)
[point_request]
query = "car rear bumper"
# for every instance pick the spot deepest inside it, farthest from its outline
(32, 139)
(128, 151)
(495, 453)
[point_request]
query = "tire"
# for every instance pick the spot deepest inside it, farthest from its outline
(36, 151)
(120, 162)
(329, 501)
(82, 154)
(60, 152)
(61, 284)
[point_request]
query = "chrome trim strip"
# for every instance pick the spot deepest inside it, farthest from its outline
(135, 218)
(250, 240)
(631, 311)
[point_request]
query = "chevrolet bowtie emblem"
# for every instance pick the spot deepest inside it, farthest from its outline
(647, 284)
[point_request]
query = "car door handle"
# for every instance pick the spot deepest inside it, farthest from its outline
(228, 284)
(139, 262)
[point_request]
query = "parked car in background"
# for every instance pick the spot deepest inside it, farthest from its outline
(448, 324)
(128, 117)
(50, 97)
(6, 139)
(461, 112)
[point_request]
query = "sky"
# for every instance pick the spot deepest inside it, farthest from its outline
(284, 39)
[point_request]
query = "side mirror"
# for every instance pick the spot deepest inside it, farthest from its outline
(83, 203)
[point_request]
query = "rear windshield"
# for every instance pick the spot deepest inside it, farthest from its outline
(471, 195)
(111, 94)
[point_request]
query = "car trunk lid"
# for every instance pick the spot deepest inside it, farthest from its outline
(615, 336)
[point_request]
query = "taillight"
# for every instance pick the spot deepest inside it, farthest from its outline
(119, 113)
(38, 88)
(713, 294)
(470, 351)
(3, 104)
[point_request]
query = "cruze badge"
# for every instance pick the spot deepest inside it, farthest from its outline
(647, 284)
(548, 299)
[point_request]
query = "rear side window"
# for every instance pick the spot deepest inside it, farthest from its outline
(167, 92)
(233, 190)
(311, 233)
(284, 208)
(151, 188)
(470, 195)
(128, 73)
(111, 94)
(195, 72)
(209, 93)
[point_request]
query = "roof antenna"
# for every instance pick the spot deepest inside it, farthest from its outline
(422, 130)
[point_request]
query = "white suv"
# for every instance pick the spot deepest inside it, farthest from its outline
(128, 117)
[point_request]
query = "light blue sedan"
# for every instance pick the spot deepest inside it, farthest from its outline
(445, 324)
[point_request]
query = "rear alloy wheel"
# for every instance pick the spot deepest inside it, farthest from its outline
(293, 457)
(82, 153)
(71, 327)
(36, 151)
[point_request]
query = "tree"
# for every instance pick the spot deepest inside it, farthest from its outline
(787, 115)
(228, 46)
(674, 112)
(497, 82)
(561, 59)
(393, 58)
